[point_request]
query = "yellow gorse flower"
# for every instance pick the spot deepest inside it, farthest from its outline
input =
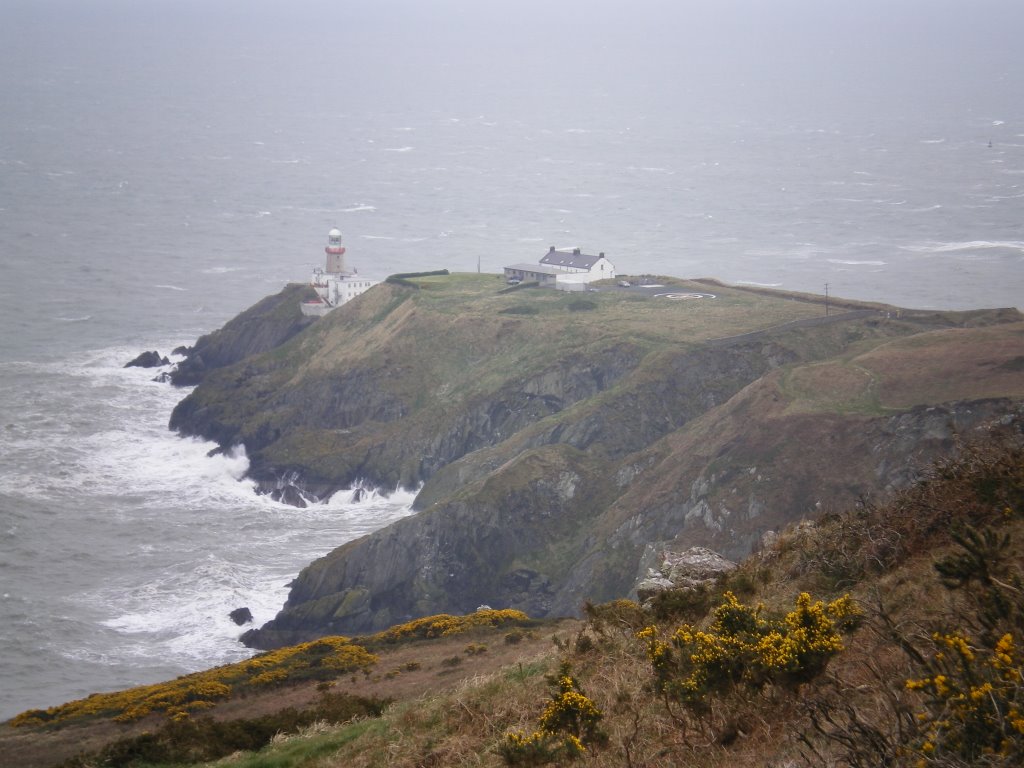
(743, 645)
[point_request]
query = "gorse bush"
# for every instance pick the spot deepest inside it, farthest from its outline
(316, 660)
(567, 727)
(973, 686)
(744, 646)
(973, 701)
(321, 659)
(445, 625)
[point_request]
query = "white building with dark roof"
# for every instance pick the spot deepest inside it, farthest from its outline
(566, 270)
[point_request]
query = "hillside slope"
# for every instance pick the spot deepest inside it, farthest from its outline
(887, 633)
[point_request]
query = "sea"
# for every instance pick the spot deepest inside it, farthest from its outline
(165, 164)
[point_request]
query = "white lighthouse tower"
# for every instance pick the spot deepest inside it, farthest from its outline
(334, 285)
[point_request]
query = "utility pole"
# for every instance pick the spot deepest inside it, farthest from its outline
(826, 299)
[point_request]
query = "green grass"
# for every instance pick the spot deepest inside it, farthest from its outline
(523, 672)
(303, 750)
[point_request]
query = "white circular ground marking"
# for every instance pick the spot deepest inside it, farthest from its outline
(684, 296)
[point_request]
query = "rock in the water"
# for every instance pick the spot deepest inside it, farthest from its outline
(162, 378)
(695, 568)
(149, 359)
(241, 616)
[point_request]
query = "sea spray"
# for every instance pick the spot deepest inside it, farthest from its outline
(127, 546)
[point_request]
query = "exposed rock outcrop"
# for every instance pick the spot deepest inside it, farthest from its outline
(151, 359)
(694, 568)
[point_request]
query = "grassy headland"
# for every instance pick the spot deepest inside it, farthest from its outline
(557, 436)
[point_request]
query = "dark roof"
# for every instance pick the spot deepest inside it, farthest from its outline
(571, 258)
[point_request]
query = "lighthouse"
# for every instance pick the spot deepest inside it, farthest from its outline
(335, 252)
(334, 285)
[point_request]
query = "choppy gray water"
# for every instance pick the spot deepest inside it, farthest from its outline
(164, 165)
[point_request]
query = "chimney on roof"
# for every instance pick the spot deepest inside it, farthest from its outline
(600, 255)
(551, 249)
(576, 251)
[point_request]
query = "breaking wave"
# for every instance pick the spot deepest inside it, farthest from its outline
(158, 538)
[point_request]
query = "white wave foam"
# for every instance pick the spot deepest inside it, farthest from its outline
(399, 149)
(758, 285)
(220, 270)
(181, 612)
(180, 539)
(972, 245)
(359, 207)
(933, 141)
(852, 263)
(362, 496)
(82, 319)
(171, 287)
(376, 237)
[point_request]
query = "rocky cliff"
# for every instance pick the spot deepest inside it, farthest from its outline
(558, 438)
(265, 325)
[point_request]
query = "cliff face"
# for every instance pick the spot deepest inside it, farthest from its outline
(266, 325)
(558, 438)
(540, 535)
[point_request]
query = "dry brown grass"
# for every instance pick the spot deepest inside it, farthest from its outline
(952, 364)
